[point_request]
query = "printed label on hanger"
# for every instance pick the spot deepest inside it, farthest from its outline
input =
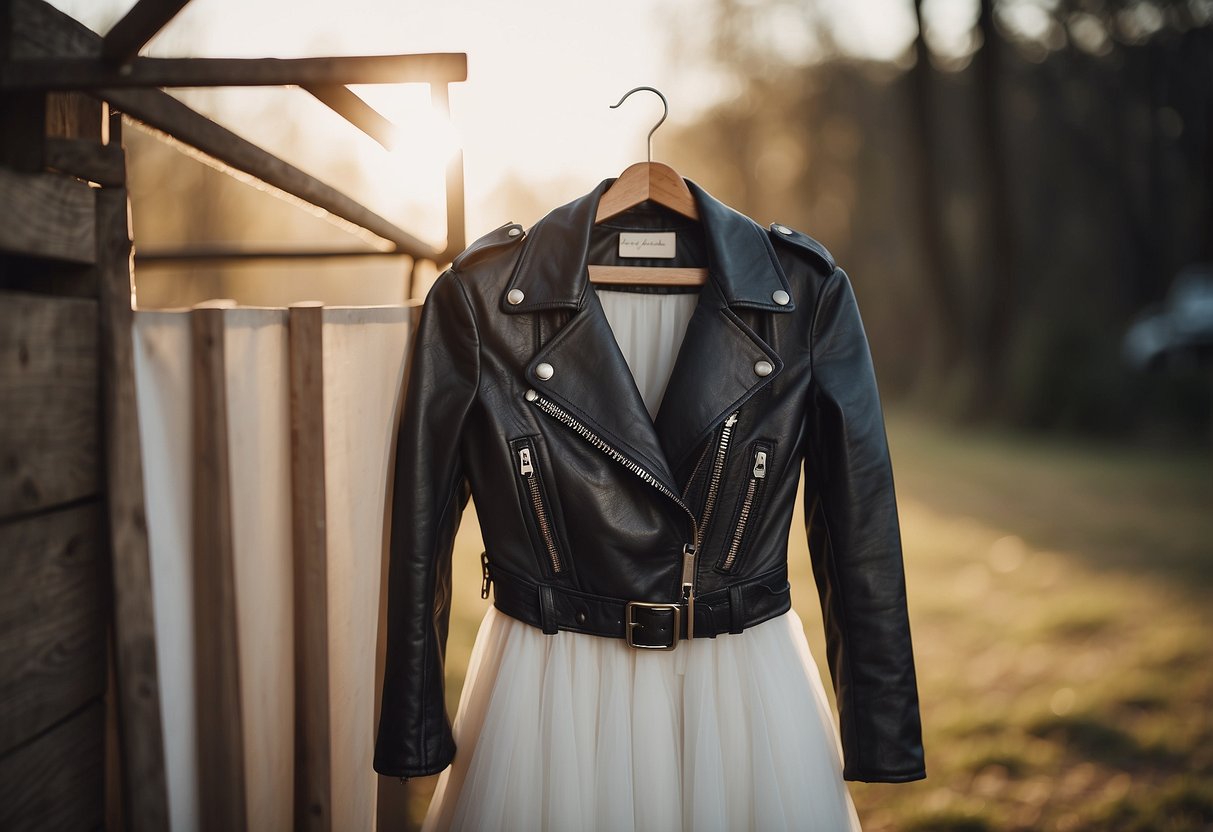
(647, 243)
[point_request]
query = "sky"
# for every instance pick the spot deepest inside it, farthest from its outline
(535, 108)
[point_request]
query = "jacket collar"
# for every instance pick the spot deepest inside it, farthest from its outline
(552, 269)
(715, 369)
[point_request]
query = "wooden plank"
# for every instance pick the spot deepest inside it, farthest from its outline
(104, 164)
(313, 784)
(36, 29)
(57, 781)
(52, 619)
(456, 230)
(357, 112)
(46, 215)
(74, 115)
(49, 447)
(138, 681)
(222, 253)
(85, 73)
(139, 25)
(221, 761)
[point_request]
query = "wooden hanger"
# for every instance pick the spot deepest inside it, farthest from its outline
(661, 184)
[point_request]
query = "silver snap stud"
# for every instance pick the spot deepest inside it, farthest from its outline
(764, 368)
(781, 297)
(515, 296)
(514, 232)
(580, 617)
(783, 229)
(530, 395)
(544, 371)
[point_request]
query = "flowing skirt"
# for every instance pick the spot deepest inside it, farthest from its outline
(572, 732)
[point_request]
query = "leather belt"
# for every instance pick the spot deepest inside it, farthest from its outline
(642, 624)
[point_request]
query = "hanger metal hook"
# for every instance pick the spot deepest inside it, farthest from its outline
(665, 104)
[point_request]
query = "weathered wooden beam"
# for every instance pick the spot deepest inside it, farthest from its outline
(221, 764)
(357, 112)
(456, 230)
(47, 215)
(139, 25)
(104, 164)
(134, 626)
(161, 111)
(75, 115)
(53, 782)
(96, 73)
(206, 254)
(48, 401)
(313, 753)
(52, 656)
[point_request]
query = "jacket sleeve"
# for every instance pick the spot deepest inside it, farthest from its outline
(430, 492)
(855, 548)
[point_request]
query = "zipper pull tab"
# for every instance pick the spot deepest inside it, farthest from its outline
(688, 567)
(688, 585)
(732, 420)
(484, 568)
(760, 465)
(524, 463)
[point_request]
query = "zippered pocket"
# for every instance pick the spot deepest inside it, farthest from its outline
(749, 505)
(528, 467)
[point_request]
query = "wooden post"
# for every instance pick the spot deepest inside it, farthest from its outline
(313, 754)
(138, 680)
(221, 780)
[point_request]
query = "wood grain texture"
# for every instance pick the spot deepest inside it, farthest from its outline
(49, 447)
(104, 164)
(46, 215)
(52, 619)
(647, 180)
(221, 761)
(138, 681)
(313, 784)
(651, 275)
(57, 780)
(74, 115)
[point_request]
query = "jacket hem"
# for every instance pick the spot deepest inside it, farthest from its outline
(761, 597)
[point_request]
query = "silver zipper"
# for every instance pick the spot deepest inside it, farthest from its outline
(689, 550)
(722, 449)
(756, 476)
(526, 467)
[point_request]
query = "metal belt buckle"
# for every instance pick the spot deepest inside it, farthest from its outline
(629, 624)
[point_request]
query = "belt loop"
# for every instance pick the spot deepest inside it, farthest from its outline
(736, 609)
(547, 609)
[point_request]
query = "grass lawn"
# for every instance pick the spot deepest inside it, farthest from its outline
(1059, 608)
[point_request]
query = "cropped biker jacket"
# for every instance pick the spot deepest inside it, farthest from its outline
(598, 518)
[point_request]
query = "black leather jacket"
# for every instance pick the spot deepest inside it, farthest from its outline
(599, 519)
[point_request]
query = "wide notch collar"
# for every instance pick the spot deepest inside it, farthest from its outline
(721, 362)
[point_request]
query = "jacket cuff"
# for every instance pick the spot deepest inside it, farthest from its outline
(883, 776)
(392, 769)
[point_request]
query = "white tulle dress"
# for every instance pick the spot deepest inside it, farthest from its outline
(573, 731)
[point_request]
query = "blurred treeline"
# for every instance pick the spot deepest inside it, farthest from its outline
(1004, 209)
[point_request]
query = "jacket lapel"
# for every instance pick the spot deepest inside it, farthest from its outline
(714, 371)
(591, 379)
